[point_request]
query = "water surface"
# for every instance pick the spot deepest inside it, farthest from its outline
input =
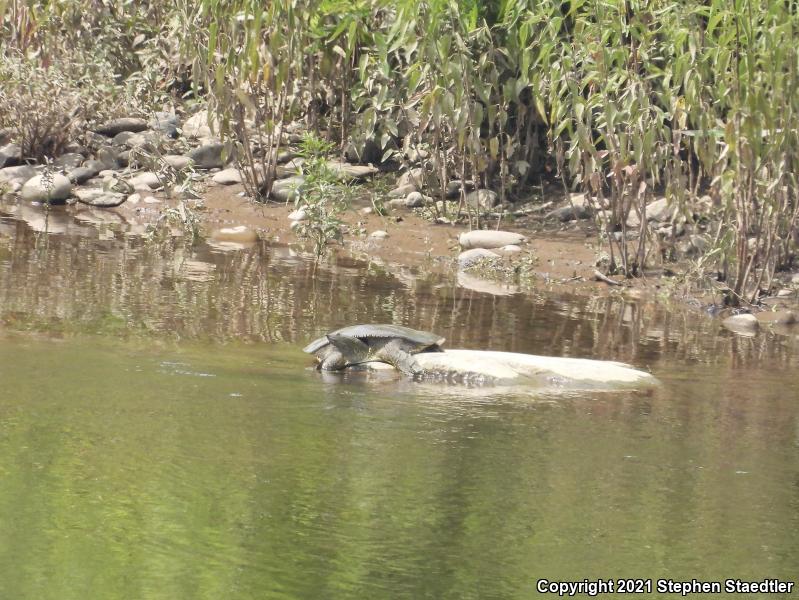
(161, 435)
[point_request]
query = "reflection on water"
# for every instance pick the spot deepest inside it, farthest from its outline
(164, 437)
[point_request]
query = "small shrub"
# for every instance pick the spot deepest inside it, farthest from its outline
(324, 197)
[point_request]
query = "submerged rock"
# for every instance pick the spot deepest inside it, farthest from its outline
(745, 324)
(485, 286)
(115, 126)
(489, 239)
(100, 198)
(240, 234)
(56, 191)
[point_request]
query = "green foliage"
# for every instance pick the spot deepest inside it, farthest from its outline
(626, 97)
(323, 197)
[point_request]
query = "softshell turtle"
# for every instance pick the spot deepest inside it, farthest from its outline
(357, 344)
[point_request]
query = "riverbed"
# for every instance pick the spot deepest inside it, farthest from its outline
(163, 436)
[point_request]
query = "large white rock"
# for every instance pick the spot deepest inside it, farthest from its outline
(511, 368)
(59, 189)
(489, 239)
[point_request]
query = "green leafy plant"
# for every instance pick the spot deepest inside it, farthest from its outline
(323, 196)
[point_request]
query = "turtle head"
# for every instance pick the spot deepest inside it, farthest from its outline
(352, 349)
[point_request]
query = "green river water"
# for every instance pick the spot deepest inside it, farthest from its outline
(163, 437)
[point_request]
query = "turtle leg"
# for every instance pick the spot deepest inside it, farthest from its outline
(402, 360)
(333, 361)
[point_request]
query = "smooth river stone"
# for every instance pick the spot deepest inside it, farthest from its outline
(239, 234)
(490, 239)
(115, 126)
(746, 324)
(59, 190)
(227, 176)
(531, 370)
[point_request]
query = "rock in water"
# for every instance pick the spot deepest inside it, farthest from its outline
(536, 371)
(746, 324)
(100, 198)
(470, 257)
(115, 126)
(239, 234)
(54, 192)
(490, 239)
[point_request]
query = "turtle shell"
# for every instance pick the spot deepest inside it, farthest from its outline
(421, 339)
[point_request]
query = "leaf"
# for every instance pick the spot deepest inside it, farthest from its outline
(493, 145)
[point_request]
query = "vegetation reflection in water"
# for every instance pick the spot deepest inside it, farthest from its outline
(166, 454)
